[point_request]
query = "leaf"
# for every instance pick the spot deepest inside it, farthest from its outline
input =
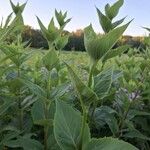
(18, 8)
(35, 89)
(133, 113)
(97, 46)
(105, 115)
(61, 18)
(117, 23)
(67, 127)
(9, 136)
(102, 83)
(38, 114)
(114, 52)
(113, 10)
(61, 42)
(5, 106)
(109, 144)
(83, 91)
(104, 21)
(24, 142)
(148, 29)
(136, 134)
(50, 60)
(50, 34)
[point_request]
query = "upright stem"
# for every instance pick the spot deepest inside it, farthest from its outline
(121, 124)
(92, 69)
(84, 118)
(46, 127)
(19, 104)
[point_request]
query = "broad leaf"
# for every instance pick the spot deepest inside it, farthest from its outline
(102, 83)
(115, 52)
(109, 144)
(67, 127)
(113, 10)
(97, 46)
(38, 114)
(50, 60)
(25, 142)
(104, 21)
(105, 115)
(83, 91)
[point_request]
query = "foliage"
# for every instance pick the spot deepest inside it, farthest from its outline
(48, 105)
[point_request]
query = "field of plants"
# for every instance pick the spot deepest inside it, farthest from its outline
(56, 100)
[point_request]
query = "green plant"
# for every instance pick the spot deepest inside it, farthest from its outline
(51, 105)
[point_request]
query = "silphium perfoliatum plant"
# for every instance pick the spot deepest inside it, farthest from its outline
(61, 18)
(100, 47)
(147, 38)
(7, 27)
(106, 20)
(18, 10)
(53, 34)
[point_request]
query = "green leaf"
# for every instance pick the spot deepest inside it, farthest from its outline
(35, 89)
(61, 18)
(136, 134)
(5, 106)
(133, 113)
(105, 115)
(102, 83)
(50, 60)
(104, 21)
(61, 42)
(113, 10)
(50, 34)
(25, 142)
(117, 23)
(67, 127)
(114, 52)
(97, 46)
(83, 91)
(9, 27)
(38, 114)
(109, 144)
(148, 29)
(17, 8)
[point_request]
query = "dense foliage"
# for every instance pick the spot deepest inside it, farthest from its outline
(51, 105)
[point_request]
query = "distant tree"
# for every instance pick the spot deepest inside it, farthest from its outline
(34, 37)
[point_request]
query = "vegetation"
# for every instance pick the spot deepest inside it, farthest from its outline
(49, 102)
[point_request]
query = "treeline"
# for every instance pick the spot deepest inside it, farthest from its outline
(75, 41)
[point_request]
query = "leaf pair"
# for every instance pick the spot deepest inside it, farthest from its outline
(67, 124)
(110, 13)
(98, 46)
(54, 35)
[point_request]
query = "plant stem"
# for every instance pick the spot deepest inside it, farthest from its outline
(92, 68)
(47, 105)
(84, 118)
(19, 104)
(46, 137)
(121, 124)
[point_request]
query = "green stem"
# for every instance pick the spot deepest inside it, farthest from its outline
(47, 105)
(92, 69)
(19, 104)
(121, 124)
(84, 118)
(20, 115)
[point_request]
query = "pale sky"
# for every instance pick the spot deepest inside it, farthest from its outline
(83, 13)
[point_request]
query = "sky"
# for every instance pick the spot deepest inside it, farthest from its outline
(83, 13)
